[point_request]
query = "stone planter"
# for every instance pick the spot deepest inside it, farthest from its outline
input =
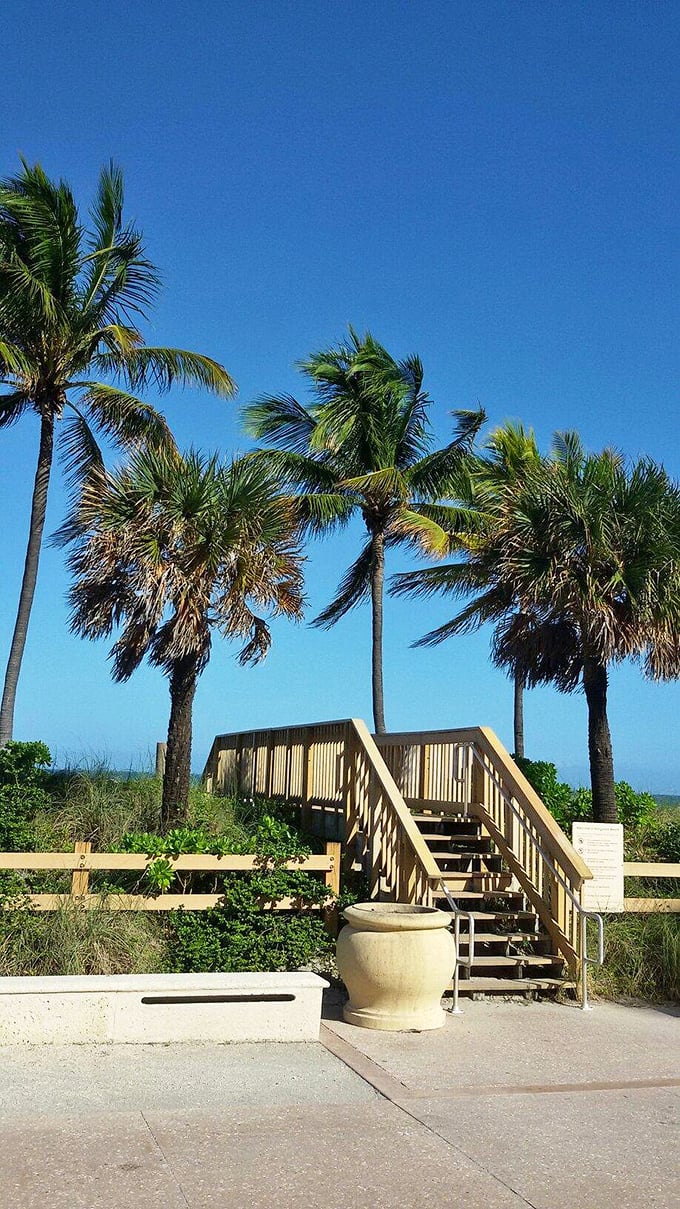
(396, 960)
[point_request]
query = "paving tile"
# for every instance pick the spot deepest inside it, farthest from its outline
(599, 1150)
(85, 1163)
(328, 1158)
(520, 1044)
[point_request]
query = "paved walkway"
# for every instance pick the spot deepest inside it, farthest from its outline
(509, 1105)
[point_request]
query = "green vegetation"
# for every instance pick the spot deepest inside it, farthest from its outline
(124, 815)
(642, 958)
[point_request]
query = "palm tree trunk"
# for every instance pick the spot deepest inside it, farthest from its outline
(599, 742)
(377, 591)
(38, 510)
(518, 715)
(177, 775)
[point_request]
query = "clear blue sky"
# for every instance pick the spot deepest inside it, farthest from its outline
(492, 185)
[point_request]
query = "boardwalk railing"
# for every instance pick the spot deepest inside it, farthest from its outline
(83, 861)
(336, 774)
(469, 771)
(360, 789)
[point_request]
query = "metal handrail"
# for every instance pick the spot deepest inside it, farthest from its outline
(457, 914)
(583, 915)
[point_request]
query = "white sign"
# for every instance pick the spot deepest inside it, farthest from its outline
(601, 847)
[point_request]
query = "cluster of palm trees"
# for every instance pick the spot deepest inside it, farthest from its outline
(573, 558)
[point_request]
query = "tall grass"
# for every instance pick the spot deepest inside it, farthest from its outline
(642, 958)
(74, 941)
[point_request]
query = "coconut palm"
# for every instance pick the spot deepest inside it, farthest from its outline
(485, 477)
(165, 551)
(579, 568)
(364, 447)
(71, 351)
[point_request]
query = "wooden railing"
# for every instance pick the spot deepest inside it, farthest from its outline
(360, 789)
(82, 861)
(336, 774)
(470, 771)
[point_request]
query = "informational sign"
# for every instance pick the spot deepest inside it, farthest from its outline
(601, 847)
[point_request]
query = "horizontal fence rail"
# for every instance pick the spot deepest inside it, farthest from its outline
(652, 869)
(82, 861)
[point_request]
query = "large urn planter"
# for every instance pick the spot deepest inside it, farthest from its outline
(396, 961)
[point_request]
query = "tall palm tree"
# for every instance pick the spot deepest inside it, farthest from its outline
(168, 549)
(71, 350)
(579, 568)
(484, 479)
(364, 447)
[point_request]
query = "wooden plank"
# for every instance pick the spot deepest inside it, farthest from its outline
(646, 906)
(650, 869)
(80, 882)
(231, 863)
(139, 902)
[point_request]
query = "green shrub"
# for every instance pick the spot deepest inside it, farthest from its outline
(569, 805)
(22, 793)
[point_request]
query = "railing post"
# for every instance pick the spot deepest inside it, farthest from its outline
(80, 881)
(478, 779)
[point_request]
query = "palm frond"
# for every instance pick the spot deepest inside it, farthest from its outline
(354, 587)
(282, 420)
(162, 368)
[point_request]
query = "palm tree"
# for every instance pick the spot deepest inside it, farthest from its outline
(484, 478)
(364, 446)
(579, 567)
(168, 549)
(71, 349)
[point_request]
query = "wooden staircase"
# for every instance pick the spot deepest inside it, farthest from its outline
(512, 954)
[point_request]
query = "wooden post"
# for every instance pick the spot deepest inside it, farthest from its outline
(80, 880)
(332, 879)
(161, 749)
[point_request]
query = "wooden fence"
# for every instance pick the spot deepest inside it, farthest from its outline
(653, 869)
(83, 861)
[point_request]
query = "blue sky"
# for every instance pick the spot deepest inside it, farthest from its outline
(491, 185)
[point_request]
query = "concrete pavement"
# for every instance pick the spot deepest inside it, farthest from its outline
(511, 1104)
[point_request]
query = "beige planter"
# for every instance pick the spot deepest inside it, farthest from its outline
(396, 961)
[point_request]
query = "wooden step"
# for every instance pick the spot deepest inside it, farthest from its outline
(500, 938)
(483, 985)
(471, 895)
(535, 960)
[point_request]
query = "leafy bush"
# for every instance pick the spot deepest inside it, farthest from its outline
(569, 805)
(22, 793)
(656, 839)
(237, 935)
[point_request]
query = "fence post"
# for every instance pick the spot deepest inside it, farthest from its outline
(161, 749)
(332, 879)
(80, 881)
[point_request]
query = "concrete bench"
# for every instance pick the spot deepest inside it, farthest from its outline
(143, 1008)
